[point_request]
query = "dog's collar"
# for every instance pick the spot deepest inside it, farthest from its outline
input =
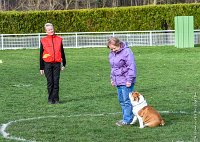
(140, 103)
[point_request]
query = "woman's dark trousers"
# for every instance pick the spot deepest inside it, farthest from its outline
(52, 73)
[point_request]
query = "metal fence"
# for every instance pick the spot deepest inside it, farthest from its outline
(94, 39)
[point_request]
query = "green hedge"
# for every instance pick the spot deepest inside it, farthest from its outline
(135, 18)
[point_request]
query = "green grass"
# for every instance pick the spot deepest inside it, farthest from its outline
(168, 77)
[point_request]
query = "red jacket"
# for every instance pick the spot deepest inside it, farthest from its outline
(52, 48)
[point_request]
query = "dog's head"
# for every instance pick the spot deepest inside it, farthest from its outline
(135, 98)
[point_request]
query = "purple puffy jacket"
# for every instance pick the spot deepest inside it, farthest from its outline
(123, 67)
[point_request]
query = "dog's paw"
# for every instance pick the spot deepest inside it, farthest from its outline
(133, 122)
(141, 127)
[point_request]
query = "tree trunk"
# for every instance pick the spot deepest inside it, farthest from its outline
(1, 8)
(38, 4)
(88, 4)
(50, 5)
(76, 4)
(67, 3)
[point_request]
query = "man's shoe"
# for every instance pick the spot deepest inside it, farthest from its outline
(122, 123)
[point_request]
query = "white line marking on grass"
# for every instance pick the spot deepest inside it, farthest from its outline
(195, 117)
(6, 135)
(175, 112)
(1, 61)
(22, 85)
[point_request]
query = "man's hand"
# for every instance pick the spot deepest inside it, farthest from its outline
(41, 72)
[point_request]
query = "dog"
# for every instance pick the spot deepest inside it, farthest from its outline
(147, 115)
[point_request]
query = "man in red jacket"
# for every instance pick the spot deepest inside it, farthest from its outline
(51, 56)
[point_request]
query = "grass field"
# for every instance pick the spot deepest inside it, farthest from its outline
(168, 77)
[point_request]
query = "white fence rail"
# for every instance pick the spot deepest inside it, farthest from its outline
(94, 39)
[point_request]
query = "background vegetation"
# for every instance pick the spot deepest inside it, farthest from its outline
(99, 20)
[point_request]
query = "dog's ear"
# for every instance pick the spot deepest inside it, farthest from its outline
(135, 96)
(141, 97)
(136, 93)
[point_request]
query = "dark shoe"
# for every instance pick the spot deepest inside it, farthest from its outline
(50, 102)
(57, 102)
(122, 123)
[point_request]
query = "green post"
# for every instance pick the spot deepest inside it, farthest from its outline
(184, 31)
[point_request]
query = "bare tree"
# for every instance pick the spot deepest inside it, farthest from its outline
(3, 5)
(67, 3)
(76, 4)
(131, 2)
(33, 4)
(38, 2)
(88, 4)
(51, 4)
(104, 3)
(20, 5)
(114, 3)
(135, 2)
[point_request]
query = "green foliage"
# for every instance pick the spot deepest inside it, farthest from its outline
(168, 77)
(103, 19)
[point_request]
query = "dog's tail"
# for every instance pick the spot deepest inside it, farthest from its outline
(162, 123)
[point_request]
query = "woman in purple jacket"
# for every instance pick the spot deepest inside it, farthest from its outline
(123, 76)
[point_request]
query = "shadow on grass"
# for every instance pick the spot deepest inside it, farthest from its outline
(197, 45)
(93, 97)
(174, 119)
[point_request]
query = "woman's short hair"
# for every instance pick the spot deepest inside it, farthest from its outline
(114, 41)
(47, 25)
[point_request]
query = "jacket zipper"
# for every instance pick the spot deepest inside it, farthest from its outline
(113, 64)
(53, 49)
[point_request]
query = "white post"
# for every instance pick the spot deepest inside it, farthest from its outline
(127, 37)
(2, 41)
(150, 34)
(76, 40)
(39, 40)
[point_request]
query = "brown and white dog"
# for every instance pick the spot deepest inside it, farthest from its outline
(146, 114)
